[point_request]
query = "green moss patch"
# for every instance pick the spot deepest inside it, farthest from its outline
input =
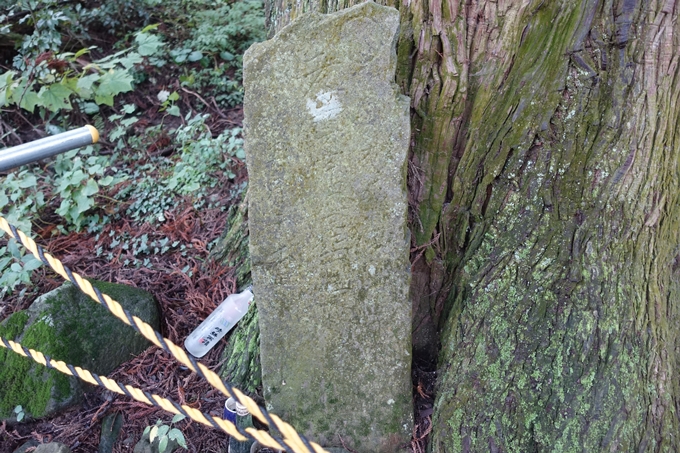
(67, 325)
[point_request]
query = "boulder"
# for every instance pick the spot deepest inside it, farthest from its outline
(67, 325)
(33, 446)
(52, 447)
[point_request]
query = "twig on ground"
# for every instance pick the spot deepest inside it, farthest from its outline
(345, 446)
(219, 111)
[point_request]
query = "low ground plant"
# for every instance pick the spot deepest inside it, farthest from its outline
(59, 78)
(165, 434)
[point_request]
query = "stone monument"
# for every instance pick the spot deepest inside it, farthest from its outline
(327, 136)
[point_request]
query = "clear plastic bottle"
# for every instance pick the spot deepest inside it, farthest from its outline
(220, 321)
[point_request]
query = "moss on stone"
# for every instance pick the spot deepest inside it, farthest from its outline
(14, 370)
(67, 325)
(232, 248)
(24, 383)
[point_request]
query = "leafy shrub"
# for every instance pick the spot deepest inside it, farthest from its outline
(230, 28)
(20, 199)
(164, 434)
(79, 175)
(202, 163)
(54, 79)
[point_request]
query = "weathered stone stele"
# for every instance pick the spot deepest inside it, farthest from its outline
(327, 135)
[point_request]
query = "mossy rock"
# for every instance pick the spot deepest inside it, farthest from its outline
(67, 325)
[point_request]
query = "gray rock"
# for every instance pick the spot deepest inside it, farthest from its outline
(256, 447)
(67, 325)
(327, 135)
(52, 447)
(31, 443)
(111, 426)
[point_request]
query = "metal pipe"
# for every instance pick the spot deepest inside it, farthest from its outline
(17, 156)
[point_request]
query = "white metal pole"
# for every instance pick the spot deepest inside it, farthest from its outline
(45, 147)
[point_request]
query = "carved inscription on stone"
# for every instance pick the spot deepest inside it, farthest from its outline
(327, 135)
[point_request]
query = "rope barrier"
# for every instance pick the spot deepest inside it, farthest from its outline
(129, 391)
(292, 441)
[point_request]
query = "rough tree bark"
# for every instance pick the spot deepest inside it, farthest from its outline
(544, 210)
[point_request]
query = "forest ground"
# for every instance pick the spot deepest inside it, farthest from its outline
(136, 238)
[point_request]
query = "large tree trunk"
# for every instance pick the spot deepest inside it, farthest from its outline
(544, 210)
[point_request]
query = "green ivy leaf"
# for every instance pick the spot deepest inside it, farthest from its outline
(6, 87)
(106, 99)
(31, 263)
(112, 83)
(176, 435)
(84, 85)
(6, 79)
(174, 110)
(90, 108)
(163, 430)
(71, 179)
(55, 97)
(195, 55)
(117, 133)
(127, 122)
(4, 262)
(147, 44)
(28, 181)
(106, 181)
(90, 188)
(30, 100)
(13, 248)
(130, 60)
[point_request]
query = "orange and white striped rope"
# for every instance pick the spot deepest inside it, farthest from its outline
(291, 440)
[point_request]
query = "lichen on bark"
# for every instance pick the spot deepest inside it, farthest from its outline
(560, 335)
(549, 258)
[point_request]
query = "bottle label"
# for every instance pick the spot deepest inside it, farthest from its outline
(213, 335)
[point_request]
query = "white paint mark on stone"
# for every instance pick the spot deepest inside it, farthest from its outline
(326, 106)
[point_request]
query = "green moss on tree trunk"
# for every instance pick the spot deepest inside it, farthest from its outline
(242, 353)
(564, 219)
